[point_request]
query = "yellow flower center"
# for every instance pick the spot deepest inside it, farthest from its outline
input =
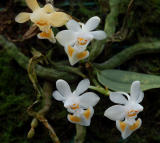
(74, 106)
(82, 41)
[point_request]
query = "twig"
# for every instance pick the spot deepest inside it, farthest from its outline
(40, 115)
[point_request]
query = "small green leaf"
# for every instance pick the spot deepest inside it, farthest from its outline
(119, 80)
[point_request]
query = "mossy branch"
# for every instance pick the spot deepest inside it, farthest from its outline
(46, 73)
(125, 55)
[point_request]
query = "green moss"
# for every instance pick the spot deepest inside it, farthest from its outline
(15, 97)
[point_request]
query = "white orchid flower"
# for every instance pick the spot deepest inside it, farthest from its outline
(128, 109)
(79, 103)
(44, 18)
(76, 39)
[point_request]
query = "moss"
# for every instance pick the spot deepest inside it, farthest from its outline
(15, 97)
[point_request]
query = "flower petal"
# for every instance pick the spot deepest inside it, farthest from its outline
(58, 19)
(140, 98)
(99, 35)
(117, 98)
(129, 129)
(116, 112)
(91, 24)
(88, 99)
(32, 4)
(82, 55)
(136, 92)
(22, 17)
(56, 95)
(77, 57)
(47, 35)
(81, 117)
(66, 37)
(74, 119)
(73, 25)
(48, 8)
(82, 86)
(63, 87)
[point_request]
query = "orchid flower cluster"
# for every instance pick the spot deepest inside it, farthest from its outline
(81, 105)
(75, 40)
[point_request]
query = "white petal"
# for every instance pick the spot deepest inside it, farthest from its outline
(99, 35)
(140, 98)
(89, 99)
(73, 61)
(138, 107)
(116, 112)
(117, 98)
(66, 37)
(73, 25)
(136, 92)
(92, 23)
(63, 88)
(56, 95)
(83, 85)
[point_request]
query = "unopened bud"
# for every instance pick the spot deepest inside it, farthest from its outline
(34, 123)
(31, 133)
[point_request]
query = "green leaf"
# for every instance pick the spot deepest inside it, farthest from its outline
(119, 80)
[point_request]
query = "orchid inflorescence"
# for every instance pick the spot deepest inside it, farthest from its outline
(75, 41)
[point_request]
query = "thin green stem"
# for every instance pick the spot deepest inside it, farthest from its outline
(80, 134)
(101, 90)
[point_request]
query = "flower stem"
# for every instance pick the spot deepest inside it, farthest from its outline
(100, 90)
(80, 134)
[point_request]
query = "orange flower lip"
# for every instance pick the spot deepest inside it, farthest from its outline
(82, 41)
(42, 23)
(132, 113)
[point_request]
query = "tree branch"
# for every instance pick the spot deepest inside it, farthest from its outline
(22, 60)
(120, 58)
